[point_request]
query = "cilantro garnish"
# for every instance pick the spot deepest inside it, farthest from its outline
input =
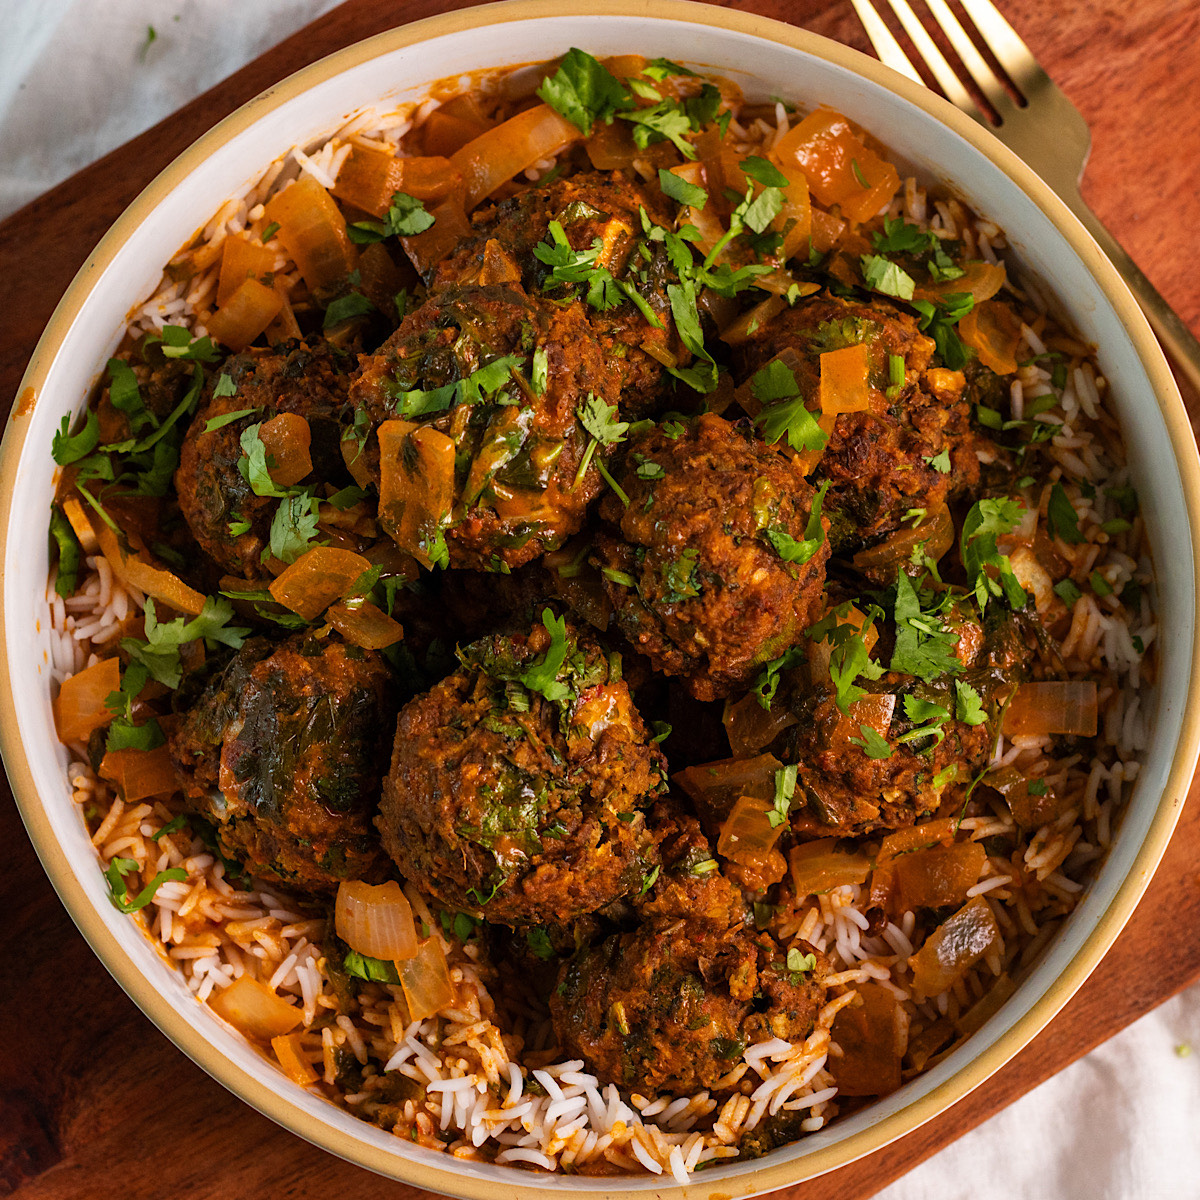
(1067, 592)
(174, 825)
(872, 743)
(159, 653)
(540, 372)
(680, 190)
(1099, 584)
(1063, 520)
(294, 526)
(538, 941)
(70, 553)
(767, 683)
(799, 552)
(67, 448)
(118, 887)
(346, 308)
(987, 520)
(924, 647)
(882, 275)
(214, 423)
(785, 789)
(927, 718)
(849, 658)
(649, 880)
(786, 414)
(940, 462)
(177, 342)
(600, 421)
(374, 970)
(484, 384)
(968, 707)
(799, 965)
(404, 218)
(542, 677)
(584, 91)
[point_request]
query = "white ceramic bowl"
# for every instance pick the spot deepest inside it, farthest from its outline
(765, 58)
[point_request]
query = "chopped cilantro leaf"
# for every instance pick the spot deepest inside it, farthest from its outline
(374, 970)
(924, 647)
(764, 172)
(680, 190)
(70, 553)
(788, 417)
(941, 462)
(981, 557)
(1067, 592)
(1100, 585)
(346, 308)
(882, 275)
(538, 941)
(293, 526)
(785, 789)
(767, 683)
(584, 91)
(800, 552)
(159, 653)
(177, 342)
(68, 448)
(227, 418)
(118, 888)
(968, 705)
(1061, 515)
(224, 387)
(540, 374)
(542, 677)
(873, 744)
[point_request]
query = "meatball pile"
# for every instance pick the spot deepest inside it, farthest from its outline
(601, 550)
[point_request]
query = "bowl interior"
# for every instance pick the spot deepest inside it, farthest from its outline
(393, 68)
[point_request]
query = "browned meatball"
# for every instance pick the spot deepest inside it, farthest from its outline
(672, 1006)
(517, 452)
(880, 464)
(711, 568)
(284, 752)
(600, 213)
(842, 790)
(520, 808)
(230, 522)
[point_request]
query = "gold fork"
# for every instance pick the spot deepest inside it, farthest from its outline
(1048, 132)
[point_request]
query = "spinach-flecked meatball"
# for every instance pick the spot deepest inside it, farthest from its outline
(915, 447)
(600, 217)
(672, 1006)
(715, 565)
(847, 787)
(518, 783)
(229, 521)
(509, 485)
(284, 752)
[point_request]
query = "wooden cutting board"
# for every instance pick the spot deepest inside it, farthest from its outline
(95, 1102)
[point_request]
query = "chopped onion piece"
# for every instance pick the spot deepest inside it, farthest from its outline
(317, 579)
(426, 980)
(79, 707)
(140, 773)
(954, 947)
(288, 441)
(375, 920)
(818, 867)
(253, 1009)
(298, 1068)
(365, 625)
(873, 1036)
(747, 835)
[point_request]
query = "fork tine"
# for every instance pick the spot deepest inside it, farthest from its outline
(886, 46)
(974, 62)
(943, 72)
(1004, 42)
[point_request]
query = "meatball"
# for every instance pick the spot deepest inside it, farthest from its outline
(672, 1006)
(879, 464)
(229, 521)
(711, 567)
(284, 752)
(601, 214)
(518, 783)
(842, 790)
(517, 450)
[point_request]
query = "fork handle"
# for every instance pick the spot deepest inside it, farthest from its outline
(1177, 339)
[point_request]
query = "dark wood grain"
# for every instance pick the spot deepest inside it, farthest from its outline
(81, 1070)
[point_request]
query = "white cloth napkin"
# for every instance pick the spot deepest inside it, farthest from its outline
(79, 77)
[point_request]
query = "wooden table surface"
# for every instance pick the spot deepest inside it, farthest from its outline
(95, 1102)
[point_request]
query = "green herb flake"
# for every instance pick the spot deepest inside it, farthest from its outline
(118, 888)
(215, 423)
(584, 91)
(1061, 515)
(884, 276)
(1100, 585)
(1067, 592)
(680, 190)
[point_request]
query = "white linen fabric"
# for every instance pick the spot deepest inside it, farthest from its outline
(80, 77)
